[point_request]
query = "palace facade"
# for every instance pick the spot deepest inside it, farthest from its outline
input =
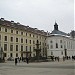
(17, 40)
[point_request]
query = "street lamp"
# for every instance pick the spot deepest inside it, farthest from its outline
(37, 50)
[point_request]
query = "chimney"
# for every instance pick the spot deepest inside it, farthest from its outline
(18, 23)
(2, 19)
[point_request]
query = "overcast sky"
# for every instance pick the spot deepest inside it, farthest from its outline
(40, 14)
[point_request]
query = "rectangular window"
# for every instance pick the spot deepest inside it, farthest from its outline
(5, 38)
(11, 55)
(21, 48)
(34, 49)
(26, 40)
(5, 54)
(11, 39)
(37, 36)
(61, 46)
(0, 28)
(51, 46)
(16, 39)
(26, 34)
(30, 48)
(51, 41)
(16, 54)
(56, 45)
(45, 44)
(30, 35)
(30, 41)
(21, 33)
(5, 47)
(40, 37)
(60, 41)
(5, 30)
(33, 35)
(21, 40)
(16, 32)
(11, 31)
(16, 47)
(11, 47)
(33, 42)
(61, 52)
(26, 48)
(51, 53)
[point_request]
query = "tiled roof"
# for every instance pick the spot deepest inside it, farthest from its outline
(58, 32)
(12, 24)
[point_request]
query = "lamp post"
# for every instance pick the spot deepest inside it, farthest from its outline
(37, 50)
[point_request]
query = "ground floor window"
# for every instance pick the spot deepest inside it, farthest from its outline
(11, 55)
(16, 54)
(51, 53)
(5, 54)
(61, 52)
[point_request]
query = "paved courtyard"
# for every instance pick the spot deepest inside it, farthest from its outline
(42, 68)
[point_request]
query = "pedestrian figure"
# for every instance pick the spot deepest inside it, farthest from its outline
(63, 58)
(15, 61)
(58, 58)
(27, 60)
(18, 59)
(55, 58)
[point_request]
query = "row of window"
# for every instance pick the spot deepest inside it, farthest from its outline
(22, 40)
(52, 41)
(68, 44)
(17, 55)
(17, 40)
(17, 48)
(11, 54)
(53, 53)
(61, 46)
(22, 33)
(51, 46)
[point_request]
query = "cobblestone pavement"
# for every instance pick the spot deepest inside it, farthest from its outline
(40, 68)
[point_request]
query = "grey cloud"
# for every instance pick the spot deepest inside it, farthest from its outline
(40, 13)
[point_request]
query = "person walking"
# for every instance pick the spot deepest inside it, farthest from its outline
(27, 60)
(15, 61)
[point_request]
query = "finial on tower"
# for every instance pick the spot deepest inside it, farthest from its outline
(55, 26)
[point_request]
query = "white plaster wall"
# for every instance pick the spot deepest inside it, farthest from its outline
(57, 51)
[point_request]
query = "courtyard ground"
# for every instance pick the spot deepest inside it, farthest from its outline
(41, 68)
